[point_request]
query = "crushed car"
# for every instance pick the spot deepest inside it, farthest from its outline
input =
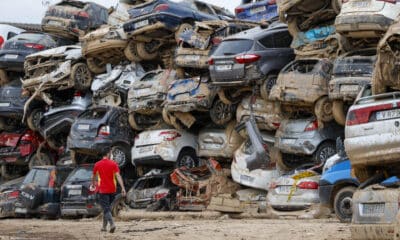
(9, 192)
(73, 19)
(257, 10)
(302, 87)
(146, 96)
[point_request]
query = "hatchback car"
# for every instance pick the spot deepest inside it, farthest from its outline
(76, 197)
(98, 130)
(164, 147)
(41, 190)
(73, 19)
(257, 10)
(366, 19)
(303, 141)
(246, 58)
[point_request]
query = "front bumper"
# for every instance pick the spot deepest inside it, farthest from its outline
(349, 24)
(79, 209)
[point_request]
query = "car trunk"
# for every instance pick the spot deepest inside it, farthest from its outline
(294, 126)
(150, 138)
(87, 127)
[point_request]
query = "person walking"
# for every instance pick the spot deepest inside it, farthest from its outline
(105, 172)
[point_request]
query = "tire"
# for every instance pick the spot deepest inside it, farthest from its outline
(118, 205)
(222, 113)
(4, 79)
(226, 97)
(267, 85)
(182, 28)
(324, 151)
(143, 53)
(40, 159)
(94, 66)
(81, 76)
(31, 196)
(338, 112)
(187, 158)
(133, 123)
(131, 52)
(323, 109)
(343, 204)
(33, 119)
(121, 155)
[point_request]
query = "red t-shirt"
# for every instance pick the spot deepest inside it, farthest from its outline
(106, 170)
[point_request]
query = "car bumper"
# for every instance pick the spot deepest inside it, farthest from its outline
(48, 209)
(93, 146)
(79, 209)
(7, 209)
(346, 89)
(223, 151)
(350, 24)
(296, 202)
(187, 106)
(300, 97)
(155, 160)
(304, 144)
(12, 112)
(258, 178)
(237, 76)
(373, 231)
(156, 22)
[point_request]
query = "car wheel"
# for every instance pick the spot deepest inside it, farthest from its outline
(227, 96)
(182, 28)
(338, 111)
(323, 109)
(33, 119)
(4, 79)
(95, 65)
(81, 76)
(187, 158)
(377, 86)
(343, 204)
(133, 123)
(40, 159)
(120, 154)
(267, 85)
(222, 113)
(118, 205)
(131, 52)
(324, 151)
(147, 51)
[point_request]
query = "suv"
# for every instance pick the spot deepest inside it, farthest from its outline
(253, 56)
(41, 190)
(73, 19)
(366, 19)
(257, 10)
(302, 86)
(98, 130)
(351, 72)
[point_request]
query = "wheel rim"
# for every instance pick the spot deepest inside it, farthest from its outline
(325, 153)
(119, 156)
(223, 111)
(346, 206)
(187, 161)
(82, 75)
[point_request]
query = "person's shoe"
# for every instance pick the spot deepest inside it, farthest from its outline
(112, 229)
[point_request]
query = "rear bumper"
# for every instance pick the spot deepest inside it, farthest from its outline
(12, 65)
(7, 209)
(349, 24)
(304, 144)
(149, 106)
(192, 58)
(338, 91)
(48, 209)
(258, 178)
(296, 202)
(155, 160)
(264, 120)
(187, 106)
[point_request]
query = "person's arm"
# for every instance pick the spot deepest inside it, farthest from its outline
(121, 183)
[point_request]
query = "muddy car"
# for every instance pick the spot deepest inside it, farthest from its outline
(149, 189)
(11, 106)
(98, 130)
(219, 142)
(9, 192)
(267, 114)
(56, 69)
(251, 57)
(351, 71)
(302, 86)
(112, 88)
(302, 141)
(186, 96)
(257, 10)
(369, 19)
(197, 45)
(72, 19)
(159, 23)
(56, 122)
(146, 96)
(386, 73)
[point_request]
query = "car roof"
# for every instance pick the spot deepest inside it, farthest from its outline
(256, 32)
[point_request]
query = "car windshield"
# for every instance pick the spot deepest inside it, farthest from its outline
(232, 47)
(94, 114)
(39, 177)
(80, 174)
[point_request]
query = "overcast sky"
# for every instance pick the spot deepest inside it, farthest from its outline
(32, 11)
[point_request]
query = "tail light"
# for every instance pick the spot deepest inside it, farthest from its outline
(311, 126)
(388, 1)
(210, 61)
(170, 135)
(27, 137)
(308, 185)
(277, 125)
(52, 180)
(247, 58)
(161, 7)
(362, 115)
(39, 47)
(78, 94)
(82, 14)
(13, 195)
(160, 194)
(1, 42)
(239, 10)
(104, 131)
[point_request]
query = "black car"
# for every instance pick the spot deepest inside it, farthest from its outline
(76, 197)
(98, 130)
(41, 190)
(9, 192)
(11, 105)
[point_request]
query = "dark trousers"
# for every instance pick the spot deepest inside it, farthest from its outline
(105, 200)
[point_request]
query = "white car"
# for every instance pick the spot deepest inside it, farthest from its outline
(366, 18)
(165, 147)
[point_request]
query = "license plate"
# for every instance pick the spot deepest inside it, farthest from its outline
(55, 23)
(349, 88)
(284, 189)
(360, 4)
(372, 209)
(11, 56)
(388, 114)
(4, 104)
(194, 58)
(145, 149)
(257, 10)
(75, 192)
(223, 67)
(288, 141)
(83, 127)
(246, 178)
(21, 210)
(141, 24)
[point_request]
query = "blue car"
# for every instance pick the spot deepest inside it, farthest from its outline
(336, 187)
(256, 10)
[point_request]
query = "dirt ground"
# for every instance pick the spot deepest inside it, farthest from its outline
(165, 229)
